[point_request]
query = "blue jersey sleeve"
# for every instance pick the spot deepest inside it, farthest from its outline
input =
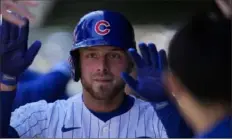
(6, 100)
(29, 75)
(173, 122)
(49, 87)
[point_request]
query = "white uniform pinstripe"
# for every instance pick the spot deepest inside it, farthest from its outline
(45, 120)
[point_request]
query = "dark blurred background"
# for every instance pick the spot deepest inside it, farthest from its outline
(138, 11)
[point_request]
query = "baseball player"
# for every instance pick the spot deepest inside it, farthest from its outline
(103, 110)
(200, 74)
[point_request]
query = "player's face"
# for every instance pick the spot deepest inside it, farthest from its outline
(100, 71)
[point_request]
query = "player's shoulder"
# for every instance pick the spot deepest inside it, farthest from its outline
(65, 104)
(43, 106)
(32, 107)
(32, 110)
(41, 110)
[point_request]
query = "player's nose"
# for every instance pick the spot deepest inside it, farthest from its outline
(103, 65)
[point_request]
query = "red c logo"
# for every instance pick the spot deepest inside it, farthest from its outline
(106, 26)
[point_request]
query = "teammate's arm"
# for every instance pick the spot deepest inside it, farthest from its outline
(149, 86)
(49, 87)
(55, 82)
(27, 121)
(172, 121)
(7, 95)
(15, 58)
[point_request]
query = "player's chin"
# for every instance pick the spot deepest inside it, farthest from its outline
(102, 86)
(105, 84)
(102, 92)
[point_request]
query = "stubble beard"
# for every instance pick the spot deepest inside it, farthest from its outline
(104, 92)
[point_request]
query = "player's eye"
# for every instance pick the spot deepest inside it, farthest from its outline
(91, 55)
(114, 56)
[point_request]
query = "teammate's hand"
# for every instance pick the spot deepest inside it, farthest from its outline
(149, 73)
(18, 7)
(15, 56)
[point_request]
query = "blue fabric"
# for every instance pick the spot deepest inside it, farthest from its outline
(35, 87)
(29, 75)
(15, 55)
(149, 86)
(223, 129)
(149, 73)
(6, 101)
(173, 123)
(32, 87)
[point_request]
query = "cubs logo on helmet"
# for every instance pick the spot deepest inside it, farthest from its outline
(102, 27)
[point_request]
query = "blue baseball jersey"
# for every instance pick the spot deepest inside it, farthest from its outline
(72, 119)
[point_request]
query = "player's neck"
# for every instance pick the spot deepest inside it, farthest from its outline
(200, 117)
(102, 105)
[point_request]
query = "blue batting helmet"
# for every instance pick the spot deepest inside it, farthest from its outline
(101, 28)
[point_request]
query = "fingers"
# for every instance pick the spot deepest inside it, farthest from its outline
(136, 58)
(32, 52)
(14, 32)
(19, 8)
(24, 31)
(150, 56)
(132, 83)
(145, 53)
(12, 18)
(153, 55)
(10, 34)
(163, 62)
(5, 31)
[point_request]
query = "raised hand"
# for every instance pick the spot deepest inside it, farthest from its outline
(11, 8)
(14, 52)
(149, 73)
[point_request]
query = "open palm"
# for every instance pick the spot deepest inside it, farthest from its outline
(149, 72)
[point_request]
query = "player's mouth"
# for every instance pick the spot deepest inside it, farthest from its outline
(103, 80)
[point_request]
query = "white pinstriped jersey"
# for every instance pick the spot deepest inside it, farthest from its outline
(71, 119)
